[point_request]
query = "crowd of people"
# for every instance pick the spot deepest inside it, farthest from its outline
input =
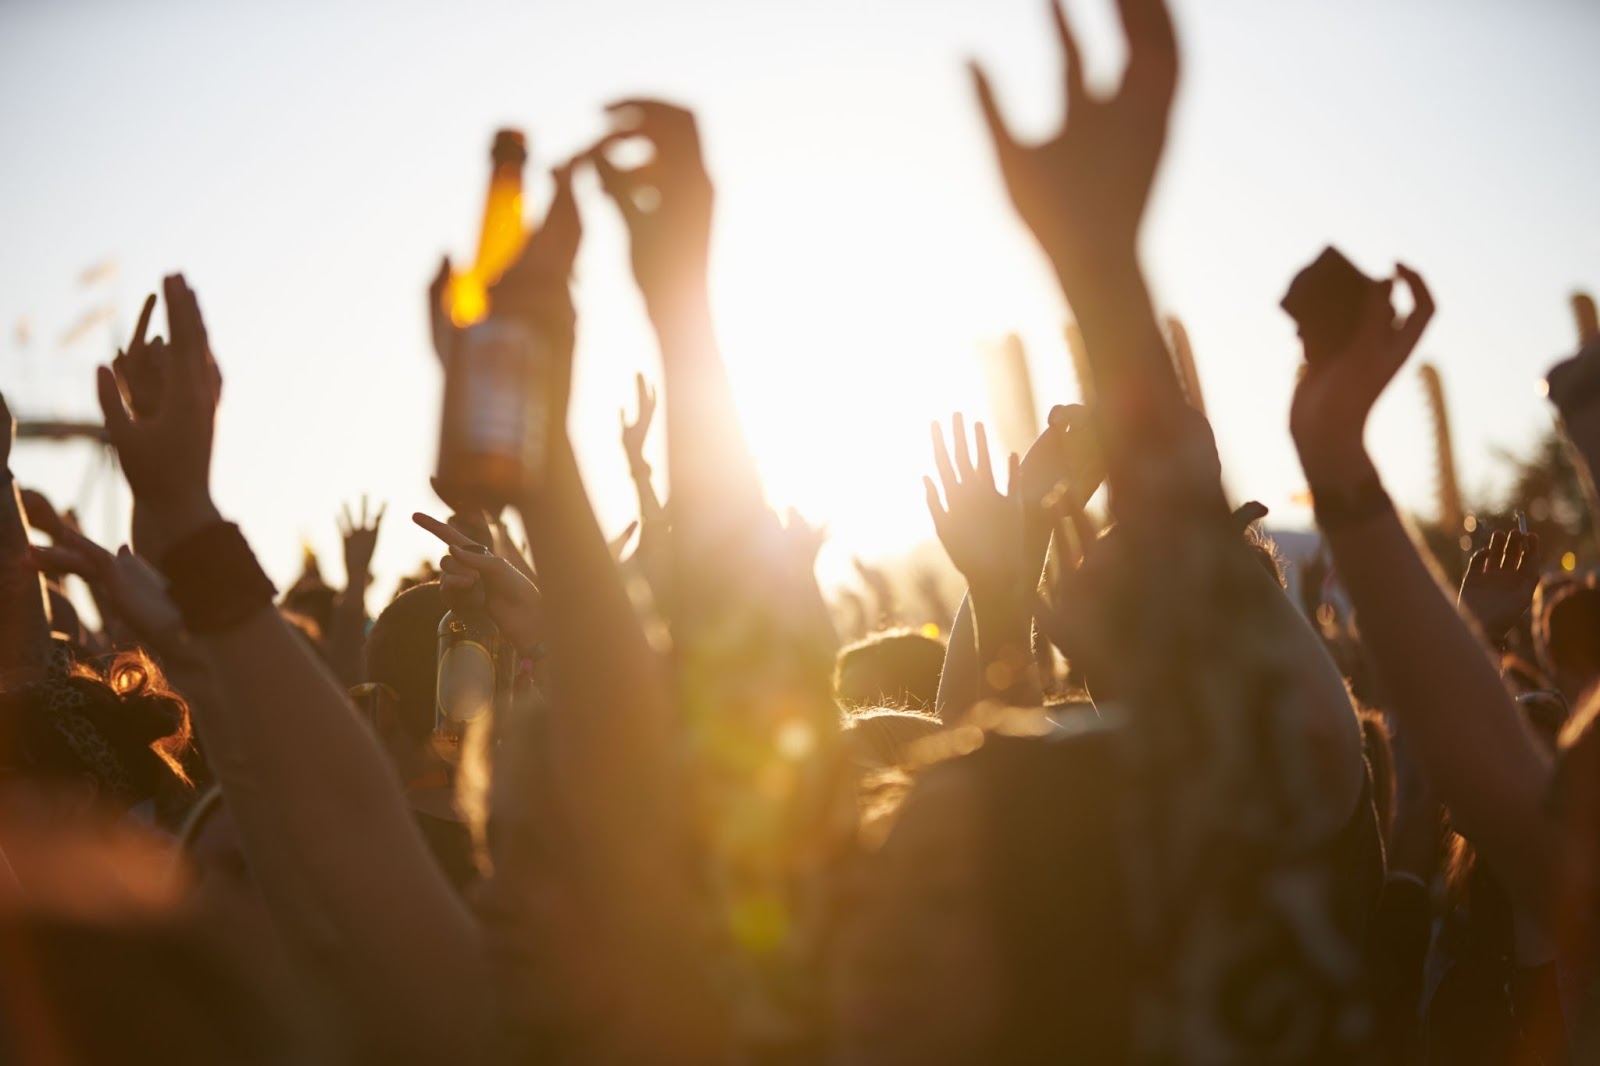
(1135, 804)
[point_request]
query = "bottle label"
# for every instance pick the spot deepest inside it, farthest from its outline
(466, 682)
(498, 363)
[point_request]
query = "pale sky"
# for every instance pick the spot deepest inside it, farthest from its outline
(306, 163)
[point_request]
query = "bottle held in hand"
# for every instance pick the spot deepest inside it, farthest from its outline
(494, 432)
(474, 676)
(503, 233)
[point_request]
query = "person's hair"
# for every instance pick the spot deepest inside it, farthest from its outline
(1265, 550)
(402, 653)
(1378, 747)
(897, 668)
(1569, 628)
(119, 725)
(885, 736)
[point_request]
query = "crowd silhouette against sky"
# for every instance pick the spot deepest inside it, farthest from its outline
(1115, 774)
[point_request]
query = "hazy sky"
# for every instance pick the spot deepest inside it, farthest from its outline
(306, 164)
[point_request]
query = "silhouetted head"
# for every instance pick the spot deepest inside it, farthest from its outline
(1567, 632)
(402, 674)
(883, 738)
(402, 653)
(899, 668)
(991, 928)
(110, 739)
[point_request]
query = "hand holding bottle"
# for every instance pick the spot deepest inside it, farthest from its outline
(471, 576)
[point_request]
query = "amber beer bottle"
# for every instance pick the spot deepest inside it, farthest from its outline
(493, 435)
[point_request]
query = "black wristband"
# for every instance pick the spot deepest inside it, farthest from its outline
(1336, 508)
(214, 579)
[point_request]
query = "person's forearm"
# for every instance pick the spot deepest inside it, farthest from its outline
(958, 680)
(716, 489)
(1477, 750)
(610, 731)
(1127, 353)
(649, 503)
(347, 632)
(327, 832)
(24, 614)
(1002, 617)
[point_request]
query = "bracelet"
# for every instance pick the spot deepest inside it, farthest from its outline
(214, 579)
(1338, 507)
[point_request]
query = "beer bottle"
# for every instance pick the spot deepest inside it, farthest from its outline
(473, 676)
(494, 434)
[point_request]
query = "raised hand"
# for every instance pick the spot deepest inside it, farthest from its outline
(8, 434)
(472, 576)
(619, 543)
(1500, 581)
(126, 589)
(1063, 467)
(635, 432)
(360, 540)
(164, 443)
(138, 367)
(1083, 191)
(666, 203)
(1334, 398)
(979, 526)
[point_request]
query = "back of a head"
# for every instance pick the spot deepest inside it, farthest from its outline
(120, 727)
(899, 668)
(884, 737)
(402, 653)
(1056, 894)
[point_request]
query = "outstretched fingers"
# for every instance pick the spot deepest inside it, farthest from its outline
(941, 460)
(1005, 144)
(1072, 58)
(1409, 332)
(447, 533)
(111, 405)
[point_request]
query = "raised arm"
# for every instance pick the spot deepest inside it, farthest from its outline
(348, 630)
(341, 865)
(24, 614)
(717, 503)
(1057, 477)
(653, 556)
(610, 723)
(753, 650)
(1476, 749)
(982, 530)
(1082, 193)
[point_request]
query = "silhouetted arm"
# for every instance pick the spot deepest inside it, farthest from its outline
(1476, 748)
(610, 726)
(349, 882)
(24, 614)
